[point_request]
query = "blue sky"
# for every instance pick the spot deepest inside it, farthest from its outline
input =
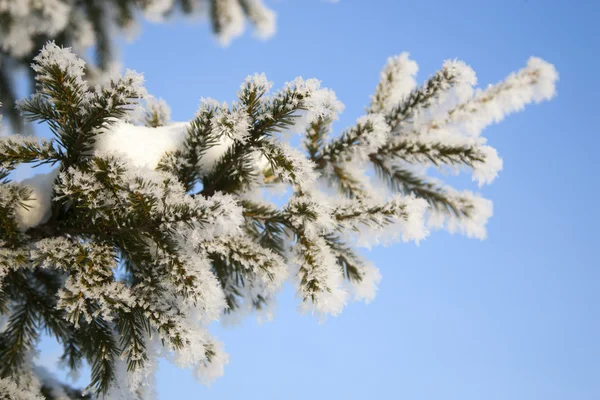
(513, 317)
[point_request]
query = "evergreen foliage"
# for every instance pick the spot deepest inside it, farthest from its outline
(25, 25)
(126, 255)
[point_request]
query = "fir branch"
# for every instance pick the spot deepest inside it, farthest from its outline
(316, 135)
(16, 150)
(247, 271)
(100, 348)
(199, 139)
(402, 180)
(341, 176)
(267, 225)
(133, 327)
(18, 339)
(347, 259)
(12, 196)
(452, 74)
(415, 150)
(233, 172)
(370, 131)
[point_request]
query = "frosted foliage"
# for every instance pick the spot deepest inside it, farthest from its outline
(210, 370)
(318, 102)
(63, 58)
(83, 32)
(157, 111)
(366, 288)
(30, 18)
(473, 226)
(156, 9)
(267, 268)
(370, 222)
(378, 133)
(263, 18)
(12, 391)
(464, 78)
(324, 294)
(230, 17)
(151, 233)
(257, 82)
(396, 82)
(486, 171)
(233, 124)
(302, 170)
(454, 84)
(214, 153)
(534, 83)
(135, 385)
(231, 20)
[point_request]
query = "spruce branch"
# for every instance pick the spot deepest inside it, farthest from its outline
(437, 152)
(18, 339)
(118, 249)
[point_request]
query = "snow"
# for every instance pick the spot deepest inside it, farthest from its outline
(141, 146)
(39, 207)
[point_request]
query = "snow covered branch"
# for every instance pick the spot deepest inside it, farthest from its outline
(147, 230)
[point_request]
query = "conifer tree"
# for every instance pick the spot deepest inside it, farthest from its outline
(25, 25)
(144, 230)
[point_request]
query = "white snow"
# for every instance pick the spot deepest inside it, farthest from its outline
(141, 146)
(39, 206)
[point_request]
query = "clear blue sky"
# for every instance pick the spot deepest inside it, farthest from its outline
(514, 317)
